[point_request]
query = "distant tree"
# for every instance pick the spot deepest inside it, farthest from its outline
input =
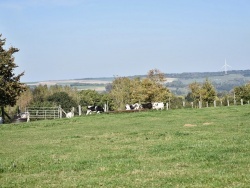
(208, 92)
(25, 99)
(153, 88)
(89, 97)
(63, 99)
(121, 92)
(71, 91)
(156, 76)
(10, 86)
(195, 89)
(242, 92)
(176, 102)
(189, 97)
(40, 93)
(150, 89)
(203, 92)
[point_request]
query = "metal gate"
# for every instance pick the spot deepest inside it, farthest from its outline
(44, 112)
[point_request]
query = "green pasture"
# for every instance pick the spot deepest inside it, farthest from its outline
(204, 148)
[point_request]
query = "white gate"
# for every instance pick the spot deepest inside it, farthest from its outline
(44, 112)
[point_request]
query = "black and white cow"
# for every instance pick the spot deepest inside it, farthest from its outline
(135, 106)
(147, 106)
(97, 109)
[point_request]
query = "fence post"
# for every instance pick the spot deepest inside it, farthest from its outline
(183, 103)
(166, 106)
(105, 107)
(214, 103)
(234, 99)
(227, 102)
(169, 103)
(220, 102)
(28, 117)
(80, 110)
(241, 101)
(207, 104)
(60, 111)
(200, 105)
(192, 104)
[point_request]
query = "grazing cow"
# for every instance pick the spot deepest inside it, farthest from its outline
(135, 106)
(22, 117)
(70, 115)
(97, 109)
(146, 106)
(158, 105)
(128, 107)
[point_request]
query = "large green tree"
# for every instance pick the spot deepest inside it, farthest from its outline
(10, 85)
(121, 92)
(150, 89)
(63, 99)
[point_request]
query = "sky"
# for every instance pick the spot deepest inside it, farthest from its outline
(73, 39)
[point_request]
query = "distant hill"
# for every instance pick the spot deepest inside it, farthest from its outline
(176, 82)
(221, 81)
(188, 75)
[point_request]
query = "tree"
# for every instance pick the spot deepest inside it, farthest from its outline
(242, 92)
(63, 99)
(90, 97)
(121, 92)
(10, 86)
(195, 90)
(25, 99)
(208, 92)
(203, 92)
(150, 89)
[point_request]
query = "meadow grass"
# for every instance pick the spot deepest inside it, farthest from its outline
(207, 147)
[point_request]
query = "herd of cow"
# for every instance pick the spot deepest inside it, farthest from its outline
(136, 106)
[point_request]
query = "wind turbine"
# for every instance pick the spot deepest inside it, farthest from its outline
(226, 66)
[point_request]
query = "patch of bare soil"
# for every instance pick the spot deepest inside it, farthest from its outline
(207, 123)
(189, 125)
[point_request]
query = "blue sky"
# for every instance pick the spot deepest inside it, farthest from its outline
(68, 39)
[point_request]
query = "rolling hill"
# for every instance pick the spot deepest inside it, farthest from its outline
(176, 82)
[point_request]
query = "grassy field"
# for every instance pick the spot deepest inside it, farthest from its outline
(207, 147)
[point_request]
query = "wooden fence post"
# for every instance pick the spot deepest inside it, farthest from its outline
(80, 110)
(207, 104)
(227, 102)
(241, 101)
(192, 104)
(166, 106)
(200, 105)
(214, 103)
(60, 111)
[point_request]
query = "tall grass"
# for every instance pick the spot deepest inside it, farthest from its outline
(207, 147)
